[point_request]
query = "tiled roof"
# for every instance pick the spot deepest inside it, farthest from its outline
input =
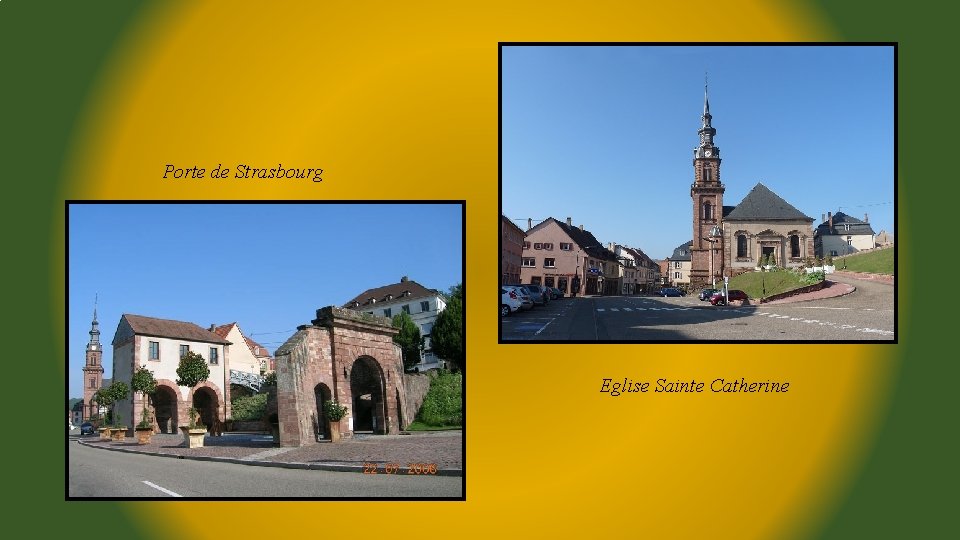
(682, 252)
(223, 330)
(839, 220)
(149, 326)
(388, 293)
(582, 238)
(763, 204)
(253, 347)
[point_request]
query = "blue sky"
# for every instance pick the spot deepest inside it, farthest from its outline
(268, 267)
(605, 134)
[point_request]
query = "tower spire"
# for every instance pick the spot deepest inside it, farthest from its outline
(94, 326)
(706, 102)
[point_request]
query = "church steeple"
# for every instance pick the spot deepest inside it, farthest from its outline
(93, 367)
(706, 148)
(706, 194)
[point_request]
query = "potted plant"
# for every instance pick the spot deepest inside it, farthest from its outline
(144, 382)
(334, 411)
(192, 371)
(103, 398)
(828, 266)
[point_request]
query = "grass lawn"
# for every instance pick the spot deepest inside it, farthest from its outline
(763, 284)
(874, 262)
(419, 426)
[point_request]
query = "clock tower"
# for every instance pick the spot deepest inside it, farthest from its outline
(706, 193)
(93, 369)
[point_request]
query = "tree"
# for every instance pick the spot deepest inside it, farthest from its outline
(446, 338)
(409, 339)
(109, 396)
(144, 382)
(192, 371)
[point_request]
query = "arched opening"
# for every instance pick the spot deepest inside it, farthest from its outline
(400, 411)
(367, 388)
(205, 401)
(321, 425)
(165, 409)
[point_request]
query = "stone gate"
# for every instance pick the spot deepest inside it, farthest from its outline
(346, 356)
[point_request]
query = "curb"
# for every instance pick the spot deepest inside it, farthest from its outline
(332, 467)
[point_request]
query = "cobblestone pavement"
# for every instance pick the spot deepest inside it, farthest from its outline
(441, 448)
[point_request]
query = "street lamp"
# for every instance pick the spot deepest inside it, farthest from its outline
(716, 234)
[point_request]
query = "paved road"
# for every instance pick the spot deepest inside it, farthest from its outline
(100, 473)
(867, 314)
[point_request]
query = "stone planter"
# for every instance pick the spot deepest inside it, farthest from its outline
(144, 434)
(193, 437)
(104, 433)
(118, 434)
(334, 431)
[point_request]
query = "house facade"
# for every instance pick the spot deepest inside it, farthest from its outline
(422, 304)
(511, 251)
(557, 254)
(840, 235)
(679, 266)
(159, 344)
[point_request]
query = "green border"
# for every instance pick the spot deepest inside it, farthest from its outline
(52, 54)
(907, 484)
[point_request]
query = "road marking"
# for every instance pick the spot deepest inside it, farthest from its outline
(614, 309)
(167, 491)
(599, 309)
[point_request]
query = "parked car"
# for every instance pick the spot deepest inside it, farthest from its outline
(707, 293)
(670, 291)
(87, 428)
(718, 299)
(509, 302)
(525, 301)
(557, 293)
(536, 294)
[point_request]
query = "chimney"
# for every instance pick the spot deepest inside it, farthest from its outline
(611, 246)
(823, 218)
(830, 219)
(569, 221)
(213, 327)
(404, 279)
(866, 218)
(581, 226)
(529, 223)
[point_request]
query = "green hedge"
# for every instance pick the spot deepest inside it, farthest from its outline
(443, 404)
(249, 407)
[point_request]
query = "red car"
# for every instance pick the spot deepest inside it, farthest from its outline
(718, 299)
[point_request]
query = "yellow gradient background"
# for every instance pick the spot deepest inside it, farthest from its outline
(399, 101)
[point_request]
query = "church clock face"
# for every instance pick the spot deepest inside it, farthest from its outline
(708, 153)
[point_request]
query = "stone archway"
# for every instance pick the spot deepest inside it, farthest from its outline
(205, 401)
(367, 385)
(165, 408)
(321, 424)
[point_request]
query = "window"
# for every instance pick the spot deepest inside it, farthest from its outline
(184, 349)
(214, 359)
(537, 245)
(676, 264)
(154, 350)
(93, 383)
(387, 312)
(406, 309)
(535, 280)
(526, 245)
(707, 210)
(677, 275)
(707, 174)
(425, 305)
(794, 246)
(846, 226)
(426, 328)
(833, 253)
(548, 246)
(548, 281)
(742, 245)
(549, 263)
(530, 262)
(565, 246)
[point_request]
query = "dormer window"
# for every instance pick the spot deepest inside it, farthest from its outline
(389, 297)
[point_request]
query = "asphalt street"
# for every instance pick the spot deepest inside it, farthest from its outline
(867, 314)
(99, 473)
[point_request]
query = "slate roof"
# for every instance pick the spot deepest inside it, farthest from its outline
(150, 326)
(762, 204)
(839, 219)
(682, 252)
(395, 290)
(582, 238)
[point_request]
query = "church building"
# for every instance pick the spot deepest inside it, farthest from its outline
(728, 240)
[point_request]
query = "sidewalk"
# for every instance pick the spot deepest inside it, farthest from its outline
(441, 448)
(831, 289)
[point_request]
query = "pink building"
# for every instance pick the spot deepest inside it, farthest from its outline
(560, 255)
(511, 251)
